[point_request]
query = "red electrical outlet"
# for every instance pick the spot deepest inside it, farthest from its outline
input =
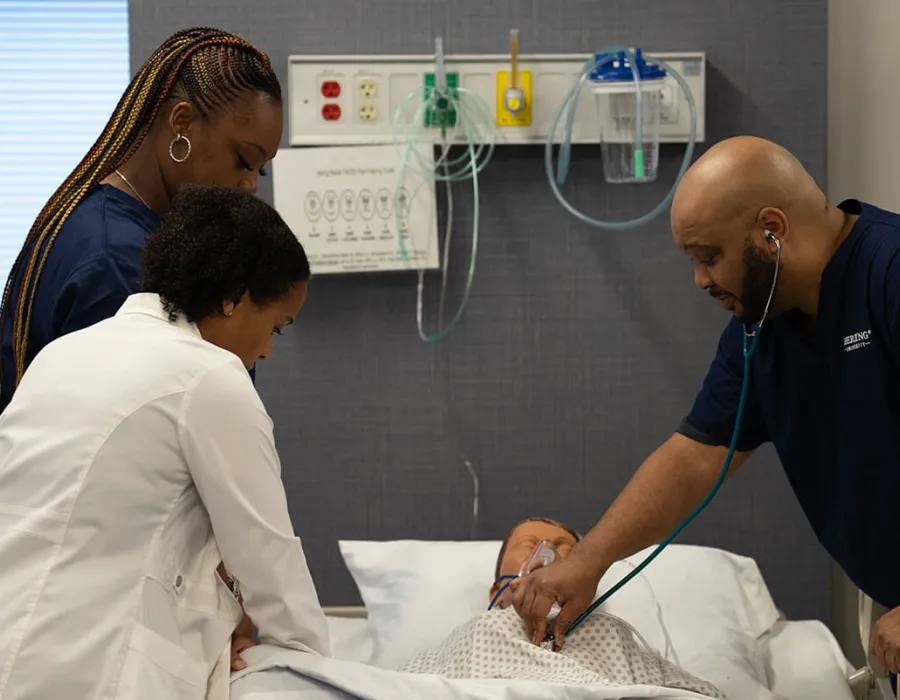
(331, 112)
(331, 89)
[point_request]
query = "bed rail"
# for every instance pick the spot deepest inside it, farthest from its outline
(872, 681)
(352, 611)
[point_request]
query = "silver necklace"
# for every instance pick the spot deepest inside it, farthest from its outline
(138, 194)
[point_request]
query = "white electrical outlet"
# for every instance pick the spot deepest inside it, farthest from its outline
(368, 112)
(368, 103)
(376, 86)
(367, 88)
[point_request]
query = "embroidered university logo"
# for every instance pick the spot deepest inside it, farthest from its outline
(857, 340)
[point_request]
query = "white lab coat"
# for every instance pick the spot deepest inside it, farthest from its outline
(133, 458)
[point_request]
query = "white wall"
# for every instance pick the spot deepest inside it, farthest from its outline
(864, 101)
(863, 160)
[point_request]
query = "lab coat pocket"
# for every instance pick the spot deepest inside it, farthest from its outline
(181, 630)
(156, 668)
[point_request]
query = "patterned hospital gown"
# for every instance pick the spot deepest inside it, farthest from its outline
(601, 651)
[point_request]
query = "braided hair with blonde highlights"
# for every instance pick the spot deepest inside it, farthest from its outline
(206, 67)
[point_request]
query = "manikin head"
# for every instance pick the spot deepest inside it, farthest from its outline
(520, 544)
(739, 189)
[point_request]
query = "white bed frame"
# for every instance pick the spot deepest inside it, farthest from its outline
(357, 612)
(868, 683)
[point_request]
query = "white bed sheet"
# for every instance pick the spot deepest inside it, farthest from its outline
(360, 682)
(351, 639)
(802, 661)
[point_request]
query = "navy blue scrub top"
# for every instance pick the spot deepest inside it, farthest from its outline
(828, 398)
(93, 266)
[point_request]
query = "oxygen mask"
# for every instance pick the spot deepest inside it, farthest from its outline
(544, 554)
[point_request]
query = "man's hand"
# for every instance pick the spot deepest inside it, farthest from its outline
(885, 643)
(571, 583)
(241, 640)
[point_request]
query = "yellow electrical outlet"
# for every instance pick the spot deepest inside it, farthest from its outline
(504, 116)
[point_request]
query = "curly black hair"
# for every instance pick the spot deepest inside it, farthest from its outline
(215, 244)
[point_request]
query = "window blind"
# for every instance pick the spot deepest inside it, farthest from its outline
(63, 68)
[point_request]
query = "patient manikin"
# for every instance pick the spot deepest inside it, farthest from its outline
(604, 650)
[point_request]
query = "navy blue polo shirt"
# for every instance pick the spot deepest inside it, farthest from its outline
(828, 399)
(93, 266)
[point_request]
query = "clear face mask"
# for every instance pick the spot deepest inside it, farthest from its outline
(543, 554)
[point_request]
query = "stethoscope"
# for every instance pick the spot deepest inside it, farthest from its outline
(750, 340)
(751, 332)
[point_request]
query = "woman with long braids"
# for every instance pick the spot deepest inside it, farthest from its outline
(204, 109)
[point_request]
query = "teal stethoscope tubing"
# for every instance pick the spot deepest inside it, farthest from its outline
(750, 341)
(749, 349)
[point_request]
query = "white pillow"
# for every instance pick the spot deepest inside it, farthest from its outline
(715, 607)
(417, 592)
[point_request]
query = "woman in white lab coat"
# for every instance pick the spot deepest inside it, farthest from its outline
(136, 456)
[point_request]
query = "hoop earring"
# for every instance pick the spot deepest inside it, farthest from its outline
(179, 137)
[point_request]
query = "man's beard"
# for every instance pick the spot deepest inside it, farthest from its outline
(759, 272)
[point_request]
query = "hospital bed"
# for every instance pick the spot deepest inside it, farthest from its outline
(705, 609)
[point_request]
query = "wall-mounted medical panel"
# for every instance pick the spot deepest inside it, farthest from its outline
(353, 100)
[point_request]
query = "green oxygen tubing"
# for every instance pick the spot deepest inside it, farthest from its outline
(474, 128)
(750, 341)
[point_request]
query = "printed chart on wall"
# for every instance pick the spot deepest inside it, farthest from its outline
(347, 204)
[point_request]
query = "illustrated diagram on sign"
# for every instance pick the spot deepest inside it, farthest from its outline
(348, 205)
(366, 205)
(312, 205)
(330, 205)
(352, 205)
(351, 211)
(383, 203)
(403, 201)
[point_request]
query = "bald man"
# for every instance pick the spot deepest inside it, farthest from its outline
(824, 387)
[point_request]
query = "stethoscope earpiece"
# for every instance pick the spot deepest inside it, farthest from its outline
(750, 331)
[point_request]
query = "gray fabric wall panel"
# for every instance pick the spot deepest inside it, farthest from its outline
(580, 351)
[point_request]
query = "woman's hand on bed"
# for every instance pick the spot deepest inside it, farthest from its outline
(241, 640)
(571, 583)
(885, 642)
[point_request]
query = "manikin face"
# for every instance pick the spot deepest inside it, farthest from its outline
(521, 546)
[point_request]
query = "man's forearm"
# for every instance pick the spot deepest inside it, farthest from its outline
(662, 493)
